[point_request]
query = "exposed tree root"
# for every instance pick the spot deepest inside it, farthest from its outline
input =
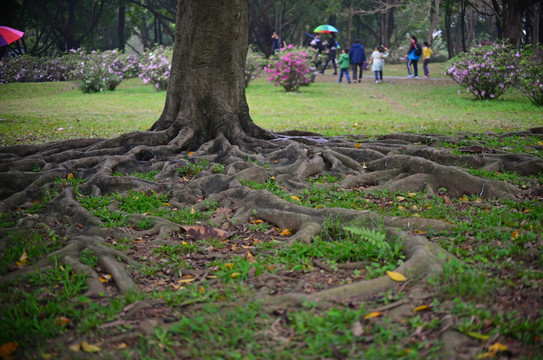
(405, 162)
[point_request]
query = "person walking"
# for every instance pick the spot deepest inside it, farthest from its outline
(357, 54)
(344, 62)
(413, 55)
(426, 55)
(377, 59)
(332, 47)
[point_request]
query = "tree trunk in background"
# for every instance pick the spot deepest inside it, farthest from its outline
(121, 24)
(206, 92)
(436, 15)
(350, 23)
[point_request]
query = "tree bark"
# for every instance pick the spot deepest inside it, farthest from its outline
(206, 92)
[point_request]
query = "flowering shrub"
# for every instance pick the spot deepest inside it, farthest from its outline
(290, 69)
(155, 67)
(486, 71)
(530, 74)
(253, 65)
(98, 71)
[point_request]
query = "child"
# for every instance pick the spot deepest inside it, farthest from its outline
(426, 55)
(344, 62)
(377, 59)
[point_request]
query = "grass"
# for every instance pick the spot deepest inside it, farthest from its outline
(497, 242)
(42, 112)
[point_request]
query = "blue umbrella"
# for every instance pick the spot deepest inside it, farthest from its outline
(325, 29)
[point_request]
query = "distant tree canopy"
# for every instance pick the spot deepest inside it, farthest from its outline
(55, 26)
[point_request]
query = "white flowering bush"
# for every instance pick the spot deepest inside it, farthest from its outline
(253, 65)
(290, 69)
(486, 71)
(155, 67)
(530, 74)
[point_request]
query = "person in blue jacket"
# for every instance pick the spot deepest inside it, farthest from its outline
(357, 54)
(413, 57)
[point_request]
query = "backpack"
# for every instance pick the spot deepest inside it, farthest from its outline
(418, 49)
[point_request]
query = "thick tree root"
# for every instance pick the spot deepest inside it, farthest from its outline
(399, 163)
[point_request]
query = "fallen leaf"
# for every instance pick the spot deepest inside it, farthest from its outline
(22, 260)
(89, 347)
(229, 266)
(295, 198)
(191, 153)
(235, 275)
(61, 320)
(358, 330)
(515, 235)
(400, 198)
(256, 222)
(411, 194)
(364, 165)
(477, 335)
(421, 308)
(192, 211)
(70, 176)
(498, 347)
(7, 349)
(185, 281)
(200, 232)
(120, 346)
(250, 257)
(396, 276)
(75, 347)
(373, 314)
(285, 232)
(357, 145)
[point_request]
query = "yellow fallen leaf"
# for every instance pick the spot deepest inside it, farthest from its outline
(463, 198)
(7, 349)
(89, 347)
(235, 275)
(295, 198)
(396, 276)
(411, 194)
(202, 290)
(191, 153)
(229, 266)
(477, 335)
(285, 232)
(515, 235)
(120, 346)
(75, 347)
(256, 222)
(400, 198)
(167, 204)
(357, 145)
(70, 176)
(414, 207)
(373, 314)
(250, 257)
(22, 260)
(364, 165)
(184, 243)
(185, 281)
(421, 308)
(192, 211)
(104, 278)
(401, 207)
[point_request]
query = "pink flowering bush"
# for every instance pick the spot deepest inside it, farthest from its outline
(530, 74)
(290, 69)
(155, 67)
(486, 71)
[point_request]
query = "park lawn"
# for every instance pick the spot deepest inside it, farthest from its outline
(492, 293)
(42, 112)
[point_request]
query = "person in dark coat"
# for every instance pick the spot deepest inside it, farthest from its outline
(357, 54)
(332, 48)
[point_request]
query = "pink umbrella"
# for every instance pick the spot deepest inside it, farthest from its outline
(9, 35)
